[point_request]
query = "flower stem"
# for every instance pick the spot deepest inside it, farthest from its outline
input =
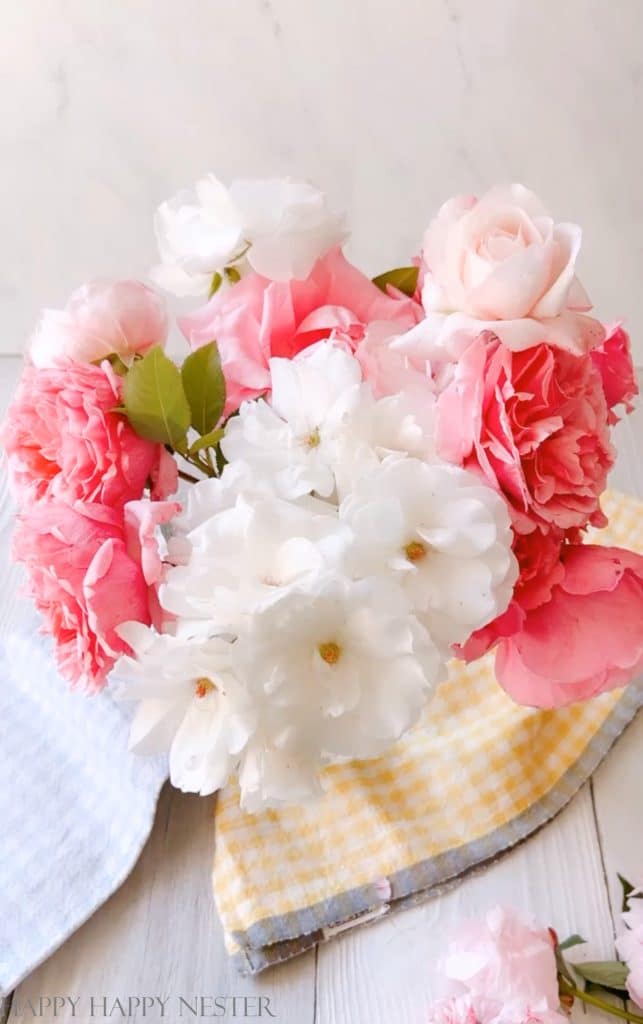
(188, 476)
(592, 1000)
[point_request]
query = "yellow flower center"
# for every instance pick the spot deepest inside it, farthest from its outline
(330, 652)
(203, 687)
(314, 439)
(415, 551)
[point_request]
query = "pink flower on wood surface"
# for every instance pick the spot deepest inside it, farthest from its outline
(102, 318)
(258, 319)
(535, 423)
(90, 570)
(64, 440)
(498, 970)
(629, 946)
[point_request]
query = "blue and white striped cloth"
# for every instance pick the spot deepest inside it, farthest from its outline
(75, 807)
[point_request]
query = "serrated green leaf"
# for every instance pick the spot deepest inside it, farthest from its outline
(204, 386)
(209, 440)
(610, 974)
(405, 279)
(573, 940)
(154, 400)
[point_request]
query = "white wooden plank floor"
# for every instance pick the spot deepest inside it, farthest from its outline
(159, 934)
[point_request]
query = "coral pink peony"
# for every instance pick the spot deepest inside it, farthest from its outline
(535, 424)
(258, 319)
(499, 969)
(502, 263)
(102, 318)
(86, 578)
(586, 638)
(613, 360)
(64, 440)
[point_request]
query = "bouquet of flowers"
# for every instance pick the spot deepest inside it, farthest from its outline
(376, 475)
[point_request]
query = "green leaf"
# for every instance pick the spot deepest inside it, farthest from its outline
(405, 279)
(215, 284)
(209, 440)
(204, 386)
(154, 400)
(573, 940)
(607, 973)
(628, 889)
(232, 274)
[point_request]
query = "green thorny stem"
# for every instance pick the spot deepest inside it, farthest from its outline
(587, 997)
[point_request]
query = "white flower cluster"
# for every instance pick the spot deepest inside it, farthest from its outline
(319, 584)
(279, 226)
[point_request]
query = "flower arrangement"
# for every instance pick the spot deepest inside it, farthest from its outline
(381, 474)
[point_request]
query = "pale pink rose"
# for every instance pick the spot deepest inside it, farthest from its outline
(498, 970)
(629, 946)
(102, 318)
(586, 639)
(454, 1010)
(502, 261)
(83, 581)
(386, 368)
(613, 360)
(142, 520)
(63, 440)
(535, 424)
(258, 319)
(504, 959)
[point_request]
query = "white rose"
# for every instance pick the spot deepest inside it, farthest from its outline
(281, 228)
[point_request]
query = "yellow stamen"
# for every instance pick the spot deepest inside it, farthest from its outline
(415, 551)
(314, 439)
(204, 686)
(330, 652)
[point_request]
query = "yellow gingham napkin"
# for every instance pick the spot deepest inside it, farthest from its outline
(479, 774)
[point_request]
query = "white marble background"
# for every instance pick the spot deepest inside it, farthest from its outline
(108, 107)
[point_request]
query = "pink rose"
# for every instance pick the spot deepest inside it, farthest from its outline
(84, 583)
(386, 368)
(102, 318)
(63, 440)
(142, 520)
(613, 360)
(502, 263)
(535, 424)
(89, 572)
(586, 638)
(258, 319)
(629, 946)
(499, 969)
(538, 557)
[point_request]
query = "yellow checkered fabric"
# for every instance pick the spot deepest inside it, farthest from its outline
(479, 774)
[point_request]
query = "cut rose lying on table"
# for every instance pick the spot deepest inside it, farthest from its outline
(501, 969)
(382, 473)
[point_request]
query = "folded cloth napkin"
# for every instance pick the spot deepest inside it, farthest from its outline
(477, 777)
(75, 806)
